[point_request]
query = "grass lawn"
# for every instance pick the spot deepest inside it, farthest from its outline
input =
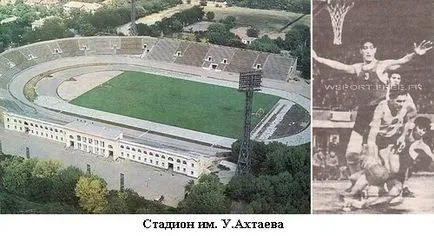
(186, 104)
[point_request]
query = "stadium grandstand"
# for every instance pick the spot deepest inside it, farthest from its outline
(18, 66)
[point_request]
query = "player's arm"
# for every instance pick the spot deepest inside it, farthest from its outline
(420, 50)
(424, 147)
(411, 108)
(350, 69)
(410, 116)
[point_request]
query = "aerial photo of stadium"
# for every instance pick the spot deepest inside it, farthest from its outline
(148, 113)
(81, 84)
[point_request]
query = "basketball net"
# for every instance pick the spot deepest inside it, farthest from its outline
(338, 9)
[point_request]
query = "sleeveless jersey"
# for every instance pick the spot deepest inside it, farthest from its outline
(370, 89)
(388, 124)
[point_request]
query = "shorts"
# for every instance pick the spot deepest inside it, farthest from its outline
(376, 174)
(383, 142)
(363, 120)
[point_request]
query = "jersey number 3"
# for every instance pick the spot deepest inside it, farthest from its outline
(366, 76)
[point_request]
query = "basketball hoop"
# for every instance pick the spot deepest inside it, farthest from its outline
(338, 9)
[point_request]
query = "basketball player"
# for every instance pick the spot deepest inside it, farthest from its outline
(415, 147)
(373, 78)
(390, 117)
(398, 174)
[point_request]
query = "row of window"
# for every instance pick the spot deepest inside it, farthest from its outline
(89, 140)
(145, 160)
(37, 126)
(153, 154)
(91, 149)
(46, 135)
(40, 133)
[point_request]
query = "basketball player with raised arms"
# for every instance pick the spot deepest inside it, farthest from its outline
(373, 82)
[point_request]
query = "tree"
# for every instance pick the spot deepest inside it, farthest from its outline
(210, 15)
(8, 204)
(116, 205)
(241, 188)
(40, 185)
(64, 184)
(188, 187)
(229, 22)
(39, 189)
(87, 29)
(129, 202)
(252, 32)
(92, 193)
(206, 197)
(299, 35)
(145, 30)
(47, 168)
(17, 175)
(219, 34)
(53, 28)
(279, 180)
(203, 3)
(264, 44)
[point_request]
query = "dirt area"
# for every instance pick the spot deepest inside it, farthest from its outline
(78, 85)
(151, 19)
(267, 21)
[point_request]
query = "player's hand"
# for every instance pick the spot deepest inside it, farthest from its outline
(400, 144)
(423, 47)
(314, 56)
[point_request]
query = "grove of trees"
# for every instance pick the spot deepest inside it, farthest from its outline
(279, 180)
(279, 183)
(45, 186)
(173, 24)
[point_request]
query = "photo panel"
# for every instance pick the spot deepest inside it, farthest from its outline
(372, 106)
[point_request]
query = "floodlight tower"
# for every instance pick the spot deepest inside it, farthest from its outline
(249, 82)
(133, 28)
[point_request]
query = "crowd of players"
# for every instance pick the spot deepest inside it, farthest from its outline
(388, 136)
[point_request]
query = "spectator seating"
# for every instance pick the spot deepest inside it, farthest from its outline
(147, 44)
(17, 58)
(193, 55)
(260, 60)
(164, 50)
(277, 67)
(131, 46)
(219, 55)
(100, 46)
(242, 61)
(70, 48)
(42, 53)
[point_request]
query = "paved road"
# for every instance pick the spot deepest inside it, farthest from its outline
(325, 197)
(145, 180)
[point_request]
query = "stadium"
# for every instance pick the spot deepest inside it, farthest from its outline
(166, 103)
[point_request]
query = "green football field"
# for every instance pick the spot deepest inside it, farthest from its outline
(186, 104)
